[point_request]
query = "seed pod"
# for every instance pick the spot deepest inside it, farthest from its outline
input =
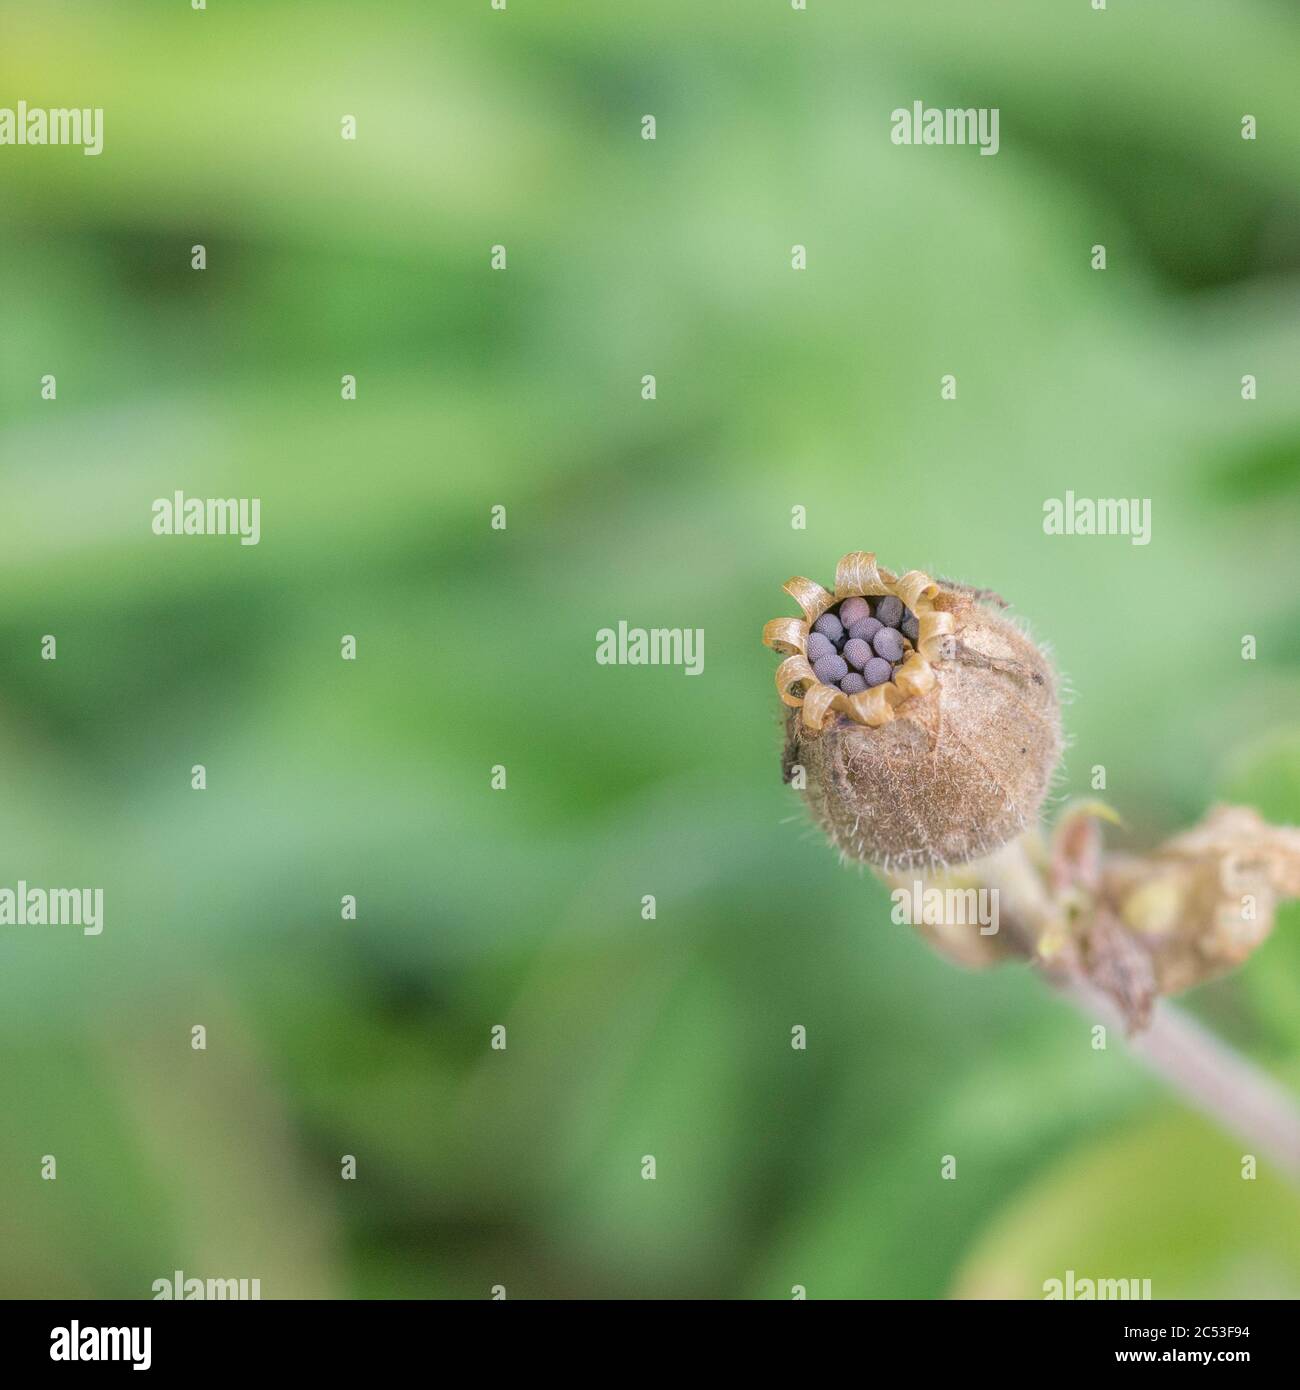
(944, 762)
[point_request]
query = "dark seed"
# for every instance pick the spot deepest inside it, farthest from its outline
(853, 610)
(911, 627)
(819, 646)
(829, 626)
(830, 669)
(890, 610)
(888, 643)
(866, 629)
(853, 684)
(877, 671)
(857, 652)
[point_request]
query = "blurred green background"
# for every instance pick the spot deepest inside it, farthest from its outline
(522, 907)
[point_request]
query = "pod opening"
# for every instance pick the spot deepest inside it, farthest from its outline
(862, 650)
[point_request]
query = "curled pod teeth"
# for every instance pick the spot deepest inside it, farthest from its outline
(949, 752)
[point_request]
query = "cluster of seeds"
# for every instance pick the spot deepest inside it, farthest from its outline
(859, 643)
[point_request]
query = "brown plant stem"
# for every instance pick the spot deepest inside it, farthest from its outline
(1226, 1087)
(1213, 1077)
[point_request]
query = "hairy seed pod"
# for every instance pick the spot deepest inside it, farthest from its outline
(945, 761)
